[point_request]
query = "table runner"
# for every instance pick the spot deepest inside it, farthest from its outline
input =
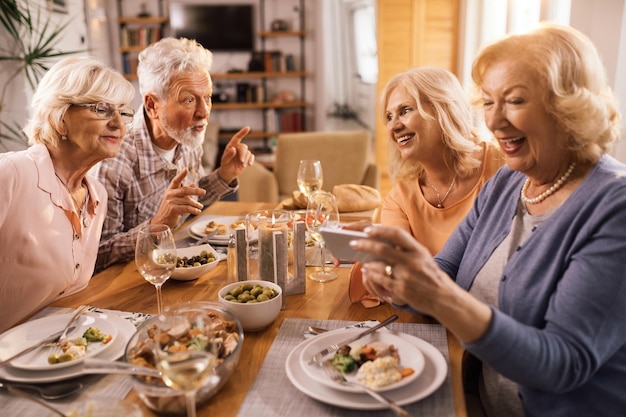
(273, 394)
(95, 386)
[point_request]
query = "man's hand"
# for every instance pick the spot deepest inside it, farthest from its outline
(236, 157)
(178, 200)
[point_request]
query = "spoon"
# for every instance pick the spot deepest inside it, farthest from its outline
(52, 391)
(25, 395)
(315, 330)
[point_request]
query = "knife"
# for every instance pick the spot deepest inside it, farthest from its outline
(335, 347)
(53, 338)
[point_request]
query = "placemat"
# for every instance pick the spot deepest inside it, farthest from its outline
(273, 394)
(95, 386)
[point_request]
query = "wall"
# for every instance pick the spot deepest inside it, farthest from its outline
(604, 21)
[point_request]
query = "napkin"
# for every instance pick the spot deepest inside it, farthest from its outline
(357, 291)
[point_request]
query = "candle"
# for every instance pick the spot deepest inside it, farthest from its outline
(266, 247)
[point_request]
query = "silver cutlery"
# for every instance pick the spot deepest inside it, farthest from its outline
(338, 377)
(23, 394)
(335, 346)
(54, 391)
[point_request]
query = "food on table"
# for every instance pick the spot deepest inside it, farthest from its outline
(94, 334)
(252, 226)
(76, 348)
(216, 228)
(225, 337)
(377, 364)
(205, 257)
(248, 293)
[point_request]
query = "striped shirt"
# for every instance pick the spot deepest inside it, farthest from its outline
(136, 180)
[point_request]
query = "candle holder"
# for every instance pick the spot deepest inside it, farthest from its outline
(261, 226)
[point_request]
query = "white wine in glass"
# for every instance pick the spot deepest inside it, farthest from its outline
(322, 212)
(310, 176)
(155, 256)
(185, 350)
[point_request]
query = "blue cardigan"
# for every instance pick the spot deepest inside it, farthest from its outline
(560, 331)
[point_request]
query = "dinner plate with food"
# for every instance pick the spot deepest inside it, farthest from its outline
(218, 228)
(125, 330)
(91, 335)
(433, 374)
(382, 361)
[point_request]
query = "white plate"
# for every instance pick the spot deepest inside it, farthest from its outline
(190, 273)
(125, 330)
(410, 357)
(197, 228)
(30, 332)
(434, 374)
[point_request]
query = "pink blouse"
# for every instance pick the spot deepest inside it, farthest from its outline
(46, 250)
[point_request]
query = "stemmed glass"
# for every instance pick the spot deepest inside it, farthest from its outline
(185, 350)
(155, 256)
(310, 176)
(321, 212)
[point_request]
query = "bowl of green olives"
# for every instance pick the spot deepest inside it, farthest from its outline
(194, 261)
(255, 303)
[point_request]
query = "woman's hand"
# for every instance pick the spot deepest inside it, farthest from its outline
(400, 262)
(405, 273)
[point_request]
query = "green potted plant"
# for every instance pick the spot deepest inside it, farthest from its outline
(31, 51)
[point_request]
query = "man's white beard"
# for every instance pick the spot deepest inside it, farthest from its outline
(187, 137)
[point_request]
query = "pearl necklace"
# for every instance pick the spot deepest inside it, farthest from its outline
(555, 187)
(439, 199)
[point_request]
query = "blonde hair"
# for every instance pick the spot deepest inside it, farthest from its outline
(440, 90)
(75, 80)
(162, 61)
(567, 67)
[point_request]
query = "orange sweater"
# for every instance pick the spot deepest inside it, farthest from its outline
(406, 207)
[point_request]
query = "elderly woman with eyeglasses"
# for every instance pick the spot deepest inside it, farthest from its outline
(52, 213)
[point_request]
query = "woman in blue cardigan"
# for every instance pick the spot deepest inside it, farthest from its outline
(533, 281)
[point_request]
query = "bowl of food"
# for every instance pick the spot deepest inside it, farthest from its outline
(153, 391)
(255, 303)
(194, 261)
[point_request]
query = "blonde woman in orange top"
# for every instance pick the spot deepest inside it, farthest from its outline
(437, 163)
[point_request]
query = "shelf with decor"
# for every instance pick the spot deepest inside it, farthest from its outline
(275, 81)
(135, 34)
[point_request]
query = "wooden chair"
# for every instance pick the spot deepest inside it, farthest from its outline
(346, 158)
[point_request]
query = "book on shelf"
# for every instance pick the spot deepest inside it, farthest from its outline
(130, 64)
(289, 121)
(140, 36)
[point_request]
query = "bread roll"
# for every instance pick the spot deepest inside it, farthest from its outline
(354, 197)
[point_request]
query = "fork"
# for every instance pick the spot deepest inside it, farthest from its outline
(338, 377)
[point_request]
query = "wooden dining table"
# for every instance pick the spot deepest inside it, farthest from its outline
(121, 287)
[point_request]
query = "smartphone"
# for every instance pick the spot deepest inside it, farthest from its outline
(338, 243)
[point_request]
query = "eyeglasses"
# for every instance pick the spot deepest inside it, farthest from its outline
(107, 111)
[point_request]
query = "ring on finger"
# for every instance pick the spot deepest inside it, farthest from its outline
(389, 271)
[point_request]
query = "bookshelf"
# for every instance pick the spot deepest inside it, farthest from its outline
(136, 33)
(270, 64)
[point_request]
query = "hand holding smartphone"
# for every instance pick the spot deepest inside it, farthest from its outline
(338, 242)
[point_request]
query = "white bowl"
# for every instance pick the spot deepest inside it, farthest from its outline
(253, 316)
(194, 272)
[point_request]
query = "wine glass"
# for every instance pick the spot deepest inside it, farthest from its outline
(185, 350)
(155, 256)
(310, 176)
(321, 212)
